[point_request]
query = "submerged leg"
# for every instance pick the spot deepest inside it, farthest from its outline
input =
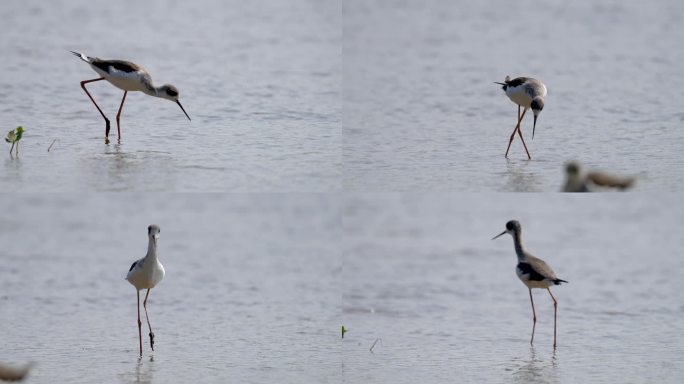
(83, 83)
(148, 320)
(555, 311)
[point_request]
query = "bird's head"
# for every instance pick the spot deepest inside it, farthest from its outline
(170, 92)
(504, 85)
(537, 105)
(512, 228)
(573, 174)
(153, 232)
(572, 169)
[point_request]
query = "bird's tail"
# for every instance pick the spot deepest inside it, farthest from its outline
(82, 56)
(559, 281)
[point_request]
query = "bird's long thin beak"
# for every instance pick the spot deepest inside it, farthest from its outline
(499, 235)
(186, 114)
(496, 82)
(534, 126)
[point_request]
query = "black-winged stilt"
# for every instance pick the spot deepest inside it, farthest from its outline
(128, 77)
(528, 93)
(146, 273)
(533, 272)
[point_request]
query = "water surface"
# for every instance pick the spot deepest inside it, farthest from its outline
(259, 80)
(422, 274)
(250, 293)
(421, 111)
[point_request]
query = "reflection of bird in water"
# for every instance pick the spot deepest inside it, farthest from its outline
(8, 373)
(578, 180)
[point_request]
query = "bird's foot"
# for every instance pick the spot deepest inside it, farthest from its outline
(152, 340)
(107, 129)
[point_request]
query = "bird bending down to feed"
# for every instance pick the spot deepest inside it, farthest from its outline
(533, 272)
(128, 77)
(528, 93)
(577, 180)
(146, 273)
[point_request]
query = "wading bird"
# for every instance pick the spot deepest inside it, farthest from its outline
(128, 77)
(146, 273)
(577, 180)
(533, 272)
(528, 93)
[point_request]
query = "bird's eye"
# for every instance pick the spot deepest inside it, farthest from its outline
(171, 92)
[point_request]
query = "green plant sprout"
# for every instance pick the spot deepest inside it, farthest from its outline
(13, 138)
(344, 330)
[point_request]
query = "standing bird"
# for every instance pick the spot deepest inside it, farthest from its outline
(526, 92)
(146, 273)
(577, 180)
(128, 77)
(533, 272)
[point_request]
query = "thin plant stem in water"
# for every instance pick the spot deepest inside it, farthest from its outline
(375, 342)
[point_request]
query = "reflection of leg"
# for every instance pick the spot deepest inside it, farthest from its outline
(555, 311)
(148, 320)
(534, 316)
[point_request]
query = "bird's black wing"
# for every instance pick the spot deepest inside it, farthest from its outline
(527, 269)
(133, 266)
(516, 82)
(119, 65)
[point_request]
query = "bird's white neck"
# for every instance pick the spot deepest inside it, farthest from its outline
(152, 248)
(152, 90)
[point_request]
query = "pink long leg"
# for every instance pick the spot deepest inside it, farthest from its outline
(555, 310)
(534, 316)
(521, 136)
(517, 129)
(148, 320)
(83, 83)
(139, 323)
(118, 115)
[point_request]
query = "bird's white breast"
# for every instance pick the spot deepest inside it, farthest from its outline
(128, 81)
(519, 96)
(147, 276)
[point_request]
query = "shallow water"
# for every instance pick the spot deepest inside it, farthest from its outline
(257, 287)
(260, 81)
(421, 111)
(249, 294)
(422, 274)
